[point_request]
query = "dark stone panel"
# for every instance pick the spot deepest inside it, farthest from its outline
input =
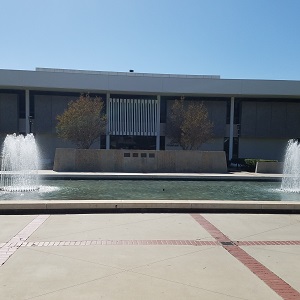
(248, 119)
(9, 115)
(43, 114)
(263, 119)
(293, 120)
(59, 105)
(217, 114)
(278, 120)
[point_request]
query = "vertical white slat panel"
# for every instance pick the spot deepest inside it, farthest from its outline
(121, 117)
(124, 121)
(112, 111)
(131, 116)
(147, 117)
(139, 116)
(143, 117)
(128, 116)
(155, 117)
(109, 115)
(125, 118)
(126, 132)
(127, 121)
(157, 123)
(134, 117)
(152, 117)
(117, 117)
(108, 125)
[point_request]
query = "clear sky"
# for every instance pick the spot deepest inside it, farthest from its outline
(231, 38)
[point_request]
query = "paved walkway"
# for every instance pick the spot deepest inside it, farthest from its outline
(150, 256)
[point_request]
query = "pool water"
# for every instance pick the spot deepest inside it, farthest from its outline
(154, 189)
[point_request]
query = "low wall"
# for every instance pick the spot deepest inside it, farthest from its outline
(271, 167)
(96, 160)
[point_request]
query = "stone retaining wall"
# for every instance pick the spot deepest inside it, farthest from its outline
(96, 160)
(271, 167)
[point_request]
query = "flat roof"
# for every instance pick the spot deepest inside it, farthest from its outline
(145, 83)
(129, 73)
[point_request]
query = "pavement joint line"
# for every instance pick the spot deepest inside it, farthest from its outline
(278, 285)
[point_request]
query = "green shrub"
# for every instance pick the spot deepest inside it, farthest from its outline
(249, 164)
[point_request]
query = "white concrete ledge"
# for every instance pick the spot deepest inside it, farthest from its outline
(49, 206)
(231, 176)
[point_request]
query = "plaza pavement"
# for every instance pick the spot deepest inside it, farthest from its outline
(191, 255)
(150, 256)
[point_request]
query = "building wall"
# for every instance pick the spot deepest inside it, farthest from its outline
(270, 119)
(267, 113)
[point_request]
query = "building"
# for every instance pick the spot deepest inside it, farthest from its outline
(252, 118)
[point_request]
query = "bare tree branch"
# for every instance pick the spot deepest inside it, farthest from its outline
(189, 124)
(82, 122)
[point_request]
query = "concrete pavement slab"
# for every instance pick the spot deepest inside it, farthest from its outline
(11, 225)
(34, 273)
(253, 227)
(212, 270)
(124, 226)
(133, 286)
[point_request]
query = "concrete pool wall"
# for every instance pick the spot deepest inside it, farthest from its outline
(98, 160)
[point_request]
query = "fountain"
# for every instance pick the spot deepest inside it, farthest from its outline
(20, 164)
(19, 173)
(291, 169)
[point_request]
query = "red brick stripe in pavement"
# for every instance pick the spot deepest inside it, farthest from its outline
(278, 285)
(9, 248)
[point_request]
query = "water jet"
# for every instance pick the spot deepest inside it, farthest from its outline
(19, 164)
(291, 168)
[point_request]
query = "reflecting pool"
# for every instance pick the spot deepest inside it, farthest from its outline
(154, 189)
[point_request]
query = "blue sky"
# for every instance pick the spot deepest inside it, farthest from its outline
(231, 38)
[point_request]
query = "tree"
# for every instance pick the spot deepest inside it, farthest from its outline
(189, 124)
(82, 122)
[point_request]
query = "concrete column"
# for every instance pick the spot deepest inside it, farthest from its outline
(27, 112)
(108, 121)
(158, 123)
(231, 128)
